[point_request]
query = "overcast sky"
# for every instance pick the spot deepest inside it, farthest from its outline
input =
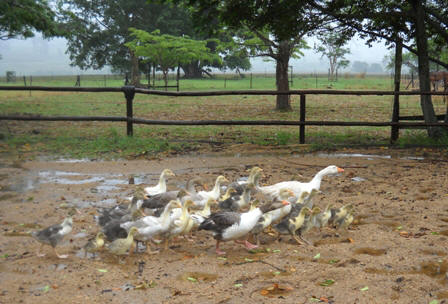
(37, 56)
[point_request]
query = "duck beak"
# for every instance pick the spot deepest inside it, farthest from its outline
(340, 170)
(285, 203)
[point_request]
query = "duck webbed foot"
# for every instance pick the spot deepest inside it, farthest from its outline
(217, 250)
(61, 256)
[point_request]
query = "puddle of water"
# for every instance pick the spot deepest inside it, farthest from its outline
(358, 179)
(433, 252)
(198, 277)
(16, 233)
(442, 295)
(58, 267)
(370, 251)
(436, 270)
(339, 155)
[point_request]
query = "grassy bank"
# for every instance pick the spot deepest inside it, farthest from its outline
(94, 139)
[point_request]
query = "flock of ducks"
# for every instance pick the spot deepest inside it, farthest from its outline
(155, 215)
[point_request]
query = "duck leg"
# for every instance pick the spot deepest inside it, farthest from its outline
(297, 239)
(61, 256)
(38, 253)
(148, 249)
(217, 250)
(249, 245)
(303, 239)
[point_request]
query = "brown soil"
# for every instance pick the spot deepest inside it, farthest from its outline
(394, 253)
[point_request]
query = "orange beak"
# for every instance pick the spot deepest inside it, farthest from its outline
(340, 170)
(285, 203)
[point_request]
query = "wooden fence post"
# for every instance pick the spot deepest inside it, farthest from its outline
(302, 118)
(129, 93)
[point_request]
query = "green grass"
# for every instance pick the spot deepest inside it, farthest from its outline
(100, 139)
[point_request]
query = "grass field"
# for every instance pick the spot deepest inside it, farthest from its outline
(95, 139)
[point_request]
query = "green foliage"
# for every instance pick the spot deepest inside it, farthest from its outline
(21, 18)
(332, 46)
(169, 51)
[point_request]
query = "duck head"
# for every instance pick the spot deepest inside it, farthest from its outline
(272, 206)
(168, 172)
(332, 170)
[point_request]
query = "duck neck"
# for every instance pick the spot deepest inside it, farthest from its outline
(246, 196)
(317, 179)
(255, 180)
(162, 182)
(216, 191)
(130, 237)
(206, 209)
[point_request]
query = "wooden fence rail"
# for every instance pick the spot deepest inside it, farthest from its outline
(130, 91)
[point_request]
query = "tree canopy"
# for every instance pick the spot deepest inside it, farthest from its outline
(332, 46)
(276, 30)
(22, 18)
(169, 51)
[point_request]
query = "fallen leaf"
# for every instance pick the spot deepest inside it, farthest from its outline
(276, 272)
(46, 288)
(327, 282)
(434, 302)
(276, 250)
(222, 258)
(365, 288)
(317, 256)
(434, 233)
(323, 299)
(238, 285)
(248, 260)
(350, 240)
(102, 270)
(399, 227)
(191, 279)
(264, 292)
(333, 261)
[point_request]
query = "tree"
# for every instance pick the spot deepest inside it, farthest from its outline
(375, 68)
(407, 23)
(360, 66)
(169, 51)
(97, 31)
(273, 30)
(22, 18)
(332, 47)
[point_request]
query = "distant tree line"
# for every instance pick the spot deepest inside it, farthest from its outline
(99, 34)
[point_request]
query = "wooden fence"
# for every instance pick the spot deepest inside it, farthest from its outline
(130, 91)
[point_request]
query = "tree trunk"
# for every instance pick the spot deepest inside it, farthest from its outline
(281, 74)
(135, 71)
(192, 70)
(423, 68)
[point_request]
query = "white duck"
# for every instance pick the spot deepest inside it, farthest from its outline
(161, 186)
(214, 193)
(199, 216)
(254, 178)
(151, 226)
(230, 225)
(179, 221)
(298, 187)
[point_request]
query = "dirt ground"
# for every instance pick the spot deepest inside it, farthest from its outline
(396, 251)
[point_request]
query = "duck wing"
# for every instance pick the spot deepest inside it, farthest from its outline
(220, 221)
(159, 200)
(229, 204)
(49, 235)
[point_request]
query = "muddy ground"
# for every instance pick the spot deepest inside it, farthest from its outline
(396, 251)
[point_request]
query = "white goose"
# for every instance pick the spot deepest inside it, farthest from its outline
(214, 193)
(161, 186)
(230, 225)
(151, 226)
(298, 187)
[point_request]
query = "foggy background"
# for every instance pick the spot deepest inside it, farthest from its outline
(37, 56)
